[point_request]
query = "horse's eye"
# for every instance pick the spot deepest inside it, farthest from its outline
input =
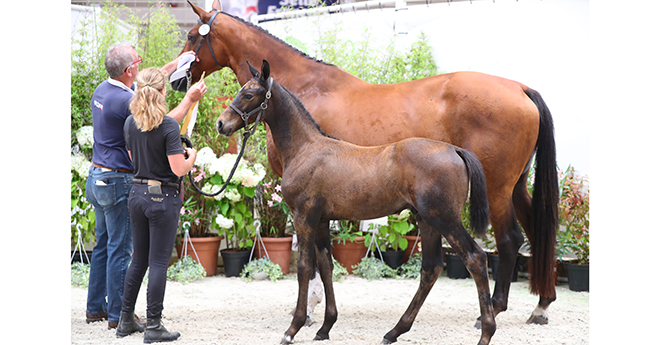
(248, 96)
(191, 38)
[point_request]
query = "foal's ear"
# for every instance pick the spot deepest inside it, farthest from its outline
(265, 70)
(252, 69)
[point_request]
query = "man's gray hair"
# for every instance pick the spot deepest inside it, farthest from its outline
(118, 57)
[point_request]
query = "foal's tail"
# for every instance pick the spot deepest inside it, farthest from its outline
(478, 195)
(545, 201)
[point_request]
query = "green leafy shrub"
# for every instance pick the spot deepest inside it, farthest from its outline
(372, 268)
(411, 269)
(338, 271)
(79, 275)
(261, 266)
(185, 270)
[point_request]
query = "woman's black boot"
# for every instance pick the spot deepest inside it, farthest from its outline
(156, 332)
(128, 324)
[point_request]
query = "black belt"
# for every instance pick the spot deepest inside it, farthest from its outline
(155, 182)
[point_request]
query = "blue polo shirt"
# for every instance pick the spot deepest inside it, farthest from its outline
(109, 112)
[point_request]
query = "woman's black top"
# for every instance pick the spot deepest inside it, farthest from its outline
(149, 150)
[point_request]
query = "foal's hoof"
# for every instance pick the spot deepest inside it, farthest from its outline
(386, 342)
(538, 320)
(287, 340)
(477, 324)
(322, 336)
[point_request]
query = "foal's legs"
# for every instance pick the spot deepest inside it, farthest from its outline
(307, 256)
(324, 259)
(431, 269)
(476, 262)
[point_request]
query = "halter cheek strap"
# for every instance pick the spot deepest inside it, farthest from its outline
(207, 36)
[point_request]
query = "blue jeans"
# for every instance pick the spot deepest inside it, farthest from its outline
(108, 193)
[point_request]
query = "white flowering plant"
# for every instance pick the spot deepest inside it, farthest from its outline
(232, 208)
(82, 212)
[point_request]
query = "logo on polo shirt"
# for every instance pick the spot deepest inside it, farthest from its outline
(98, 105)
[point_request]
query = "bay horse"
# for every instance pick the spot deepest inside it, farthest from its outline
(325, 179)
(503, 122)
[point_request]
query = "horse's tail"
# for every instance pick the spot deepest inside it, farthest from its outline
(545, 200)
(478, 195)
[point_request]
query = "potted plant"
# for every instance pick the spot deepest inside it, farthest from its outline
(273, 242)
(201, 244)
(233, 208)
(573, 235)
(390, 238)
(347, 243)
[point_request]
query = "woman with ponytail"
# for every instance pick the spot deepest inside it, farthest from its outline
(154, 145)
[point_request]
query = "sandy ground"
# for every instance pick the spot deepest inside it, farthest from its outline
(220, 310)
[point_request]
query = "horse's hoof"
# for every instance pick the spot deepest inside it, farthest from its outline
(287, 340)
(538, 320)
(309, 321)
(387, 342)
(321, 337)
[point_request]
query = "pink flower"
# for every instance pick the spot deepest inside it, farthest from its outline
(270, 203)
(278, 188)
(276, 197)
(200, 176)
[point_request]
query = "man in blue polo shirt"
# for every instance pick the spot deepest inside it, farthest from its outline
(111, 178)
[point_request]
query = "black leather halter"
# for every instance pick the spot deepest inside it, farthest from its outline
(207, 36)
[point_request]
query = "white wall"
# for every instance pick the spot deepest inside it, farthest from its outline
(542, 44)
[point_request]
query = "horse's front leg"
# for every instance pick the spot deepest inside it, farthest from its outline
(431, 270)
(306, 267)
(324, 259)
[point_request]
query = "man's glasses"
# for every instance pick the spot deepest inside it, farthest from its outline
(133, 64)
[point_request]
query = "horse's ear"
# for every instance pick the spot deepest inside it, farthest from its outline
(252, 69)
(197, 9)
(265, 70)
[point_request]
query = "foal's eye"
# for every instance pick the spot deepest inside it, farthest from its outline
(248, 96)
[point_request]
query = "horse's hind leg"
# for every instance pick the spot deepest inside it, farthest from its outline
(324, 259)
(476, 262)
(522, 202)
(431, 269)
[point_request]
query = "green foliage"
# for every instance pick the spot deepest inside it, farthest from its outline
(411, 269)
(338, 271)
(260, 266)
(347, 230)
(373, 64)
(391, 235)
(79, 275)
(573, 236)
(372, 268)
(186, 270)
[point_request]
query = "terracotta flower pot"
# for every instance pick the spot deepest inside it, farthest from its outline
(278, 249)
(410, 251)
(207, 252)
(349, 253)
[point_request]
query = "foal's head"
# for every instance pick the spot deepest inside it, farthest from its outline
(249, 102)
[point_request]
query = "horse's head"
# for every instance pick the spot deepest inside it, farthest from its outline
(207, 29)
(248, 103)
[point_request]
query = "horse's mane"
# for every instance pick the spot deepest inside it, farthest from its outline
(303, 54)
(300, 105)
